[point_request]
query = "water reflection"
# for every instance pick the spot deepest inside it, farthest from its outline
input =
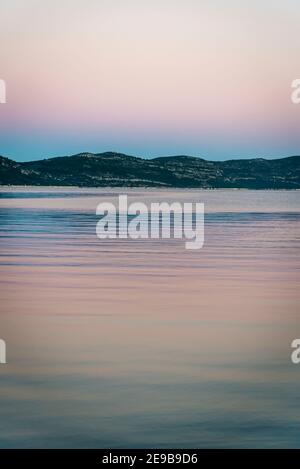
(122, 343)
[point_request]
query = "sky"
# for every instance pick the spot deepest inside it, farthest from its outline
(209, 78)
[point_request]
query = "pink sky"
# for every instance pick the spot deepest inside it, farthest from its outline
(210, 78)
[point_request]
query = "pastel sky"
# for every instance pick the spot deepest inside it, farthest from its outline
(209, 78)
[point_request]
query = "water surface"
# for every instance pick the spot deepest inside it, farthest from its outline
(122, 343)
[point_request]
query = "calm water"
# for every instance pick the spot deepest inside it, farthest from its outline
(127, 343)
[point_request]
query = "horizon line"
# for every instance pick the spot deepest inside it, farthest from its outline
(150, 158)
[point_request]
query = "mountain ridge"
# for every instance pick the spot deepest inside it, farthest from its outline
(88, 169)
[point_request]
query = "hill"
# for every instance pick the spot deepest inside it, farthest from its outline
(117, 170)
